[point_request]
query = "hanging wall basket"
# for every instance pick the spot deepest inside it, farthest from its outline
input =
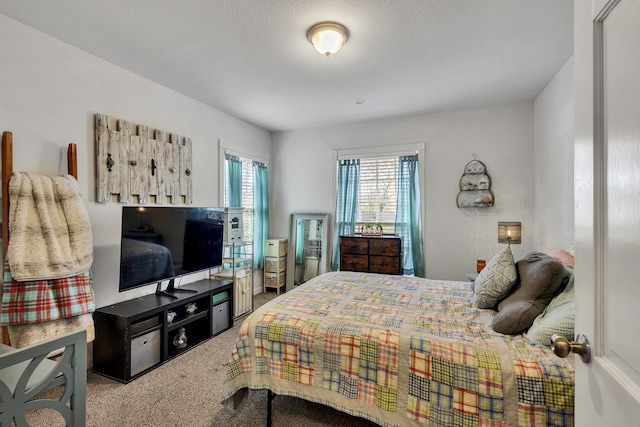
(475, 186)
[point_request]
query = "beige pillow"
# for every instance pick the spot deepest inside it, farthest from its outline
(496, 279)
(557, 318)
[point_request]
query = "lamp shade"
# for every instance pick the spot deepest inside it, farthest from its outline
(327, 37)
(509, 232)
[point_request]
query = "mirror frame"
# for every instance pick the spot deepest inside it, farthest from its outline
(323, 267)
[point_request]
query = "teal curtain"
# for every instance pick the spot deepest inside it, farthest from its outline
(409, 216)
(260, 212)
(234, 191)
(300, 229)
(346, 204)
(234, 181)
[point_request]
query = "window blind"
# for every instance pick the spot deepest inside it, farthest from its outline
(378, 193)
(247, 198)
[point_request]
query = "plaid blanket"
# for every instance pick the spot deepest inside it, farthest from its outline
(43, 300)
(398, 351)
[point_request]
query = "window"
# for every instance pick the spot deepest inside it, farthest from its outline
(246, 197)
(380, 188)
(378, 193)
(246, 186)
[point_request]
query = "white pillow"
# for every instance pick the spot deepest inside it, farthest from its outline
(496, 279)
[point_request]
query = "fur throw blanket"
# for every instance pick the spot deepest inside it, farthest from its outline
(49, 228)
(24, 335)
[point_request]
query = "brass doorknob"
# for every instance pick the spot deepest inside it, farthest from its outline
(562, 347)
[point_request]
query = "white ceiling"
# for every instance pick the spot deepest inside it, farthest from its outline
(251, 58)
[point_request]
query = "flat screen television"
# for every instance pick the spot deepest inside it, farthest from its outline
(161, 243)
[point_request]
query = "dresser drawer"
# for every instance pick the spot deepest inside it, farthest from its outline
(382, 246)
(350, 262)
(373, 254)
(385, 264)
(351, 245)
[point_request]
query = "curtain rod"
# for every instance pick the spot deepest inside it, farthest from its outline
(380, 151)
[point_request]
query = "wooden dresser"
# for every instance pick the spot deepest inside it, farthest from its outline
(371, 254)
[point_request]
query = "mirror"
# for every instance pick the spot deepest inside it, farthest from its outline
(308, 247)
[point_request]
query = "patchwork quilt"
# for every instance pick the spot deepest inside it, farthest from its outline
(399, 351)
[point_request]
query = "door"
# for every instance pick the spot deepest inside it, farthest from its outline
(607, 206)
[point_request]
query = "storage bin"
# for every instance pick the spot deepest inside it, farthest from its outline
(219, 297)
(142, 325)
(243, 295)
(145, 352)
(275, 264)
(275, 280)
(275, 247)
(220, 317)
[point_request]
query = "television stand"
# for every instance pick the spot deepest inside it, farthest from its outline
(171, 289)
(135, 336)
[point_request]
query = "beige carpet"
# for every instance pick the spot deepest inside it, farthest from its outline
(186, 392)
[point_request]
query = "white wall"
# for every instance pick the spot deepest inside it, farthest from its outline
(553, 160)
(49, 94)
(501, 137)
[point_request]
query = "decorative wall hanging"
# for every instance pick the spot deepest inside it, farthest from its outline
(475, 186)
(135, 163)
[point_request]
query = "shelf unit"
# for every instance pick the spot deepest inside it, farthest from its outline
(275, 264)
(475, 187)
(237, 266)
(136, 336)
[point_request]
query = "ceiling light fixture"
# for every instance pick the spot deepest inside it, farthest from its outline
(328, 37)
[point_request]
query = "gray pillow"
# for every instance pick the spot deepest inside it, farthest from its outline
(540, 278)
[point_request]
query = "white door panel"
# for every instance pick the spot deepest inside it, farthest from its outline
(607, 191)
(621, 64)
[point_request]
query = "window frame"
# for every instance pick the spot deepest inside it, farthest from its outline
(223, 151)
(382, 152)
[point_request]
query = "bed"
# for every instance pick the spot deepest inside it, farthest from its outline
(398, 351)
(143, 262)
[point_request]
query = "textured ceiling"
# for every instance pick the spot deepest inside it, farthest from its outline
(251, 58)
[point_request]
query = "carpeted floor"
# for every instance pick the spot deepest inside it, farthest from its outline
(185, 391)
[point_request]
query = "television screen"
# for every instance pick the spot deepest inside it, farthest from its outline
(164, 242)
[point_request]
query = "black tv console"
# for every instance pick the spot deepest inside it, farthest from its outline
(136, 336)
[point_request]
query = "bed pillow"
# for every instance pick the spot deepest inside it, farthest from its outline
(564, 257)
(541, 277)
(496, 279)
(557, 318)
